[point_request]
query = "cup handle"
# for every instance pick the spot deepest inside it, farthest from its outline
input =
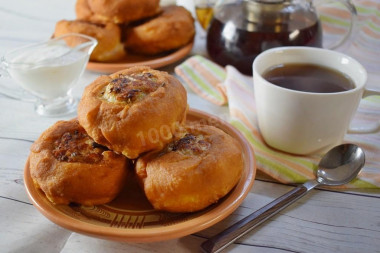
(352, 9)
(373, 128)
(10, 91)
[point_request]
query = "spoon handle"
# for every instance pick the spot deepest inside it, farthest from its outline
(242, 227)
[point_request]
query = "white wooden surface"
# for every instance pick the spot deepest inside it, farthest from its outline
(323, 221)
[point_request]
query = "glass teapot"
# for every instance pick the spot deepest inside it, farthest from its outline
(241, 29)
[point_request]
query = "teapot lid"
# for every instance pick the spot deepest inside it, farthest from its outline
(256, 10)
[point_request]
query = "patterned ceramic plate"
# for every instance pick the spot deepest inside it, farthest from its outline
(131, 218)
(135, 59)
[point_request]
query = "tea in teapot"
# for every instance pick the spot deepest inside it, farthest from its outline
(240, 30)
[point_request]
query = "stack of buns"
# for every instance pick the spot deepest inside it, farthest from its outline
(123, 26)
(134, 122)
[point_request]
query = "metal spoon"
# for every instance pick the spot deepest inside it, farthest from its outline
(338, 166)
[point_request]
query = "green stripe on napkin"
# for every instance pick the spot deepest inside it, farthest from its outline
(204, 78)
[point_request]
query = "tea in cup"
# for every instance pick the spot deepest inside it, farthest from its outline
(49, 70)
(306, 97)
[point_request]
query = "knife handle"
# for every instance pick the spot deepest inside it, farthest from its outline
(242, 227)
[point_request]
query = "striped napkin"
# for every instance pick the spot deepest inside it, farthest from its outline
(219, 85)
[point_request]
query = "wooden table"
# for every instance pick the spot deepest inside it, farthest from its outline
(323, 221)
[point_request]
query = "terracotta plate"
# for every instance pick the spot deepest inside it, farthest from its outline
(135, 59)
(131, 218)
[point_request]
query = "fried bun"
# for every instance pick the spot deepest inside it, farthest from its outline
(68, 166)
(134, 110)
(109, 48)
(192, 172)
(118, 12)
(172, 29)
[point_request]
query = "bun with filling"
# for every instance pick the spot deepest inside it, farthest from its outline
(118, 12)
(192, 172)
(172, 29)
(108, 35)
(68, 166)
(134, 110)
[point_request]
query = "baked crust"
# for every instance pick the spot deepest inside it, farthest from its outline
(68, 166)
(173, 28)
(134, 110)
(118, 12)
(109, 48)
(193, 172)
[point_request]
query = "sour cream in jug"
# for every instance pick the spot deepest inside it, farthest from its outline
(48, 70)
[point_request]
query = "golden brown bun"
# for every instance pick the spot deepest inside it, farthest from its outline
(193, 172)
(134, 110)
(69, 166)
(83, 11)
(173, 28)
(116, 11)
(109, 46)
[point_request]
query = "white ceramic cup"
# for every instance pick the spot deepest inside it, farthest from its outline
(305, 122)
